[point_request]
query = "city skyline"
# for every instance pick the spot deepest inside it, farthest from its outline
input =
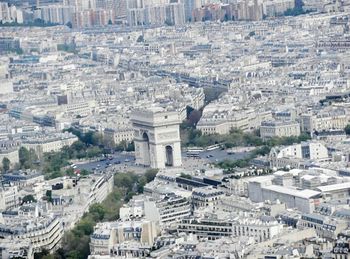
(174, 129)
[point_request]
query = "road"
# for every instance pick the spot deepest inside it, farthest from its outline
(126, 161)
(117, 159)
(218, 155)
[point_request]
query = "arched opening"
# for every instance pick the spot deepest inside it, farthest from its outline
(145, 137)
(169, 156)
(146, 149)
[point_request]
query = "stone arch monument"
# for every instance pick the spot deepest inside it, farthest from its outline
(157, 138)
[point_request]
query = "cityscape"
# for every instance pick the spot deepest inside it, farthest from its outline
(175, 129)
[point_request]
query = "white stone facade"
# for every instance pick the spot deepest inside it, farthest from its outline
(157, 138)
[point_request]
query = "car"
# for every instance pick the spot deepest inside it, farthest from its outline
(117, 162)
(98, 165)
(127, 160)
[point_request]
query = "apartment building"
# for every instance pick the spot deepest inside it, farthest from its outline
(326, 227)
(44, 143)
(23, 178)
(9, 149)
(293, 155)
(109, 235)
(119, 135)
(206, 196)
(170, 209)
(271, 129)
(324, 120)
(43, 231)
(9, 197)
(212, 228)
(277, 7)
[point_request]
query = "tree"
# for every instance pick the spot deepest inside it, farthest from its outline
(28, 198)
(168, 22)
(85, 226)
(140, 39)
(27, 158)
(6, 164)
(251, 34)
(125, 181)
(141, 184)
(187, 176)
(130, 147)
(150, 174)
(297, 10)
(347, 129)
(44, 252)
(93, 152)
(23, 156)
(70, 172)
(98, 211)
(212, 93)
(226, 17)
(194, 117)
(48, 195)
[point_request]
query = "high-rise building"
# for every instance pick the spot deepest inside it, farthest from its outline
(155, 12)
(120, 9)
(4, 12)
(175, 14)
(56, 14)
(155, 15)
(189, 6)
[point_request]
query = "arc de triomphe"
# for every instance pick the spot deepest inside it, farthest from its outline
(157, 138)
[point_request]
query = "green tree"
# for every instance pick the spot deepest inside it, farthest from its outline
(27, 158)
(70, 172)
(28, 198)
(84, 172)
(75, 243)
(347, 129)
(187, 176)
(125, 181)
(6, 164)
(141, 184)
(168, 22)
(93, 152)
(140, 39)
(194, 117)
(48, 195)
(78, 146)
(44, 252)
(130, 147)
(23, 156)
(150, 174)
(97, 211)
(84, 226)
(295, 11)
